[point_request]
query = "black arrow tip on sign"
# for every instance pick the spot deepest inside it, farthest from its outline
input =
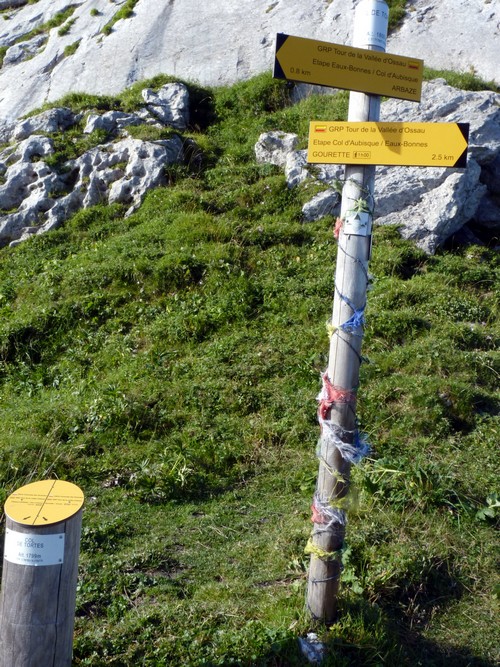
(461, 163)
(278, 70)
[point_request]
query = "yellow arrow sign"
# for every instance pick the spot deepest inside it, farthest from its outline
(403, 144)
(325, 64)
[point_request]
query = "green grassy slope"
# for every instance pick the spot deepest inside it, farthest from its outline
(168, 364)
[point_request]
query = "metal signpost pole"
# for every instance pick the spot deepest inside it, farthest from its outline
(340, 444)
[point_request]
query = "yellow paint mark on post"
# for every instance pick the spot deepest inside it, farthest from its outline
(401, 144)
(348, 67)
(44, 503)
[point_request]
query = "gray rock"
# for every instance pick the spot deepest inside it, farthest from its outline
(61, 210)
(274, 147)
(26, 196)
(329, 174)
(27, 184)
(124, 171)
(442, 211)
(11, 4)
(487, 215)
(34, 147)
(170, 104)
(34, 199)
(111, 121)
(22, 51)
(278, 148)
(219, 43)
(52, 120)
(443, 103)
(324, 203)
(399, 187)
(412, 196)
(12, 226)
(146, 162)
(296, 168)
(490, 175)
(446, 34)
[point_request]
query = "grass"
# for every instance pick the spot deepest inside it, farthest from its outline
(66, 27)
(463, 80)
(70, 49)
(57, 20)
(125, 12)
(168, 364)
(397, 11)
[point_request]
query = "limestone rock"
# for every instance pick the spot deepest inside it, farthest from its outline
(297, 170)
(490, 175)
(441, 211)
(443, 103)
(325, 203)
(124, 171)
(412, 196)
(22, 51)
(274, 147)
(34, 199)
(146, 162)
(52, 120)
(10, 4)
(170, 104)
(448, 34)
(32, 148)
(111, 121)
(27, 183)
(218, 43)
(487, 216)
(30, 188)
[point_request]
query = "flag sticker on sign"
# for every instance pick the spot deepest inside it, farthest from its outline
(413, 65)
(321, 128)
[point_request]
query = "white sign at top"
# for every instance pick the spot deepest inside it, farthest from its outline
(370, 24)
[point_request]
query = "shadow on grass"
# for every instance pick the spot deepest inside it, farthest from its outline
(409, 649)
(389, 632)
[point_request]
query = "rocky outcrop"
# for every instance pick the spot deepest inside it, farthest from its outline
(427, 204)
(111, 121)
(458, 35)
(121, 171)
(53, 120)
(213, 43)
(431, 204)
(27, 49)
(274, 147)
(170, 104)
(35, 197)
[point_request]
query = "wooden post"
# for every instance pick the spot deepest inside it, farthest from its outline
(340, 444)
(40, 567)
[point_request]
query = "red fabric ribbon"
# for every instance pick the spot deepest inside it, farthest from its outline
(330, 395)
(338, 226)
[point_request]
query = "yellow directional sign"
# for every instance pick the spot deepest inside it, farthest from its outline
(338, 66)
(44, 503)
(403, 144)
